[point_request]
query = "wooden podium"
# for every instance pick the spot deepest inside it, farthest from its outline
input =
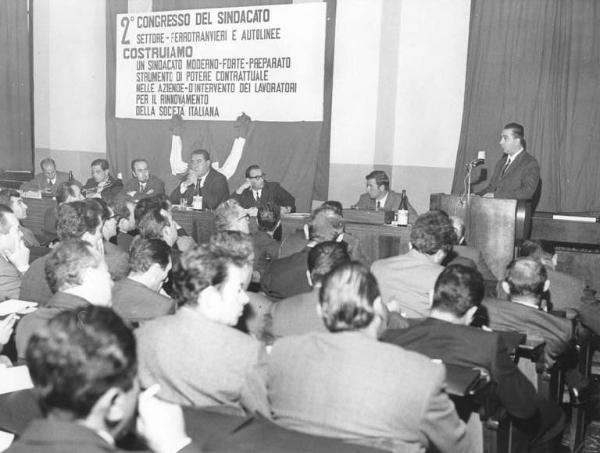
(493, 226)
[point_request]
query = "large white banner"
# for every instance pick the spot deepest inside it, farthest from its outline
(214, 64)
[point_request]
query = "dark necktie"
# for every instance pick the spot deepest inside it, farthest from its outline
(506, 165)
(50, 183)
(378, 205)
(198, 186)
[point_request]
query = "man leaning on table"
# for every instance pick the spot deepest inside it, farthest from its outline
(49, 180)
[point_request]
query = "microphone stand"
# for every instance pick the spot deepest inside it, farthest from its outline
(470, 167)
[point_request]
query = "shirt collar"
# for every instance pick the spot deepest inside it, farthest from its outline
(382, 200)
(512, 158)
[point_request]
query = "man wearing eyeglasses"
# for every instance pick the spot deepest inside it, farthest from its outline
(257, 191)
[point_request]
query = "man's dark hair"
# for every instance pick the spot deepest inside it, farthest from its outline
(207, 265)
(536, 249)
(325, 257)
(4, 226)
(47, 161)
(457, 289)
(153, 223)
(518, 131)
(380, 177)
(149, 203)
(268, 216)
(67, 262)
(335, 205)
(143, 253)
(325, 224)
(78, 356)
(526, 277)
(347, 296)
(77, 218)
(227, 214)
(65, 190)
(431, 232)
(102, 162)
(250, 168)
(202, 152)
(119, 207)
(135, 161)
(7, 194)
(102, 207)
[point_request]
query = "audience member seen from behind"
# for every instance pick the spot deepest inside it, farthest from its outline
(14, 255)
(77, 275)
(196, 355)
(230, 216)
(345, 384)
(266, 247)
(83, 364)
(13, 200)
(299, 314)
(407, 280)
(447, 335)
(137, 298)
(65, 193)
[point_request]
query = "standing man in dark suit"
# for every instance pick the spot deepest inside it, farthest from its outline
(256, 191)
(143, 184)
(379, 196)
(201, 179)
(447, 335)
(517, 174)
(102, 184)
(48, 180)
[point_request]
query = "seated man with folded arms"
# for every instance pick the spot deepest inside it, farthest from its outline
(137, 298)
(13, 200)
(407, 280)
(447, 335)
(143, 184)
(83, 365)
(256, 190)
(102, 184)
(14, 255)
(526, 282)
(78, 276)
(345, 384)
(380, 197)
(196, 355)
(298, 314)
(48, 180)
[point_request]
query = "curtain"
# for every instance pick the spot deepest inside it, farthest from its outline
(16, 150)
(295, 154)
(537, 63)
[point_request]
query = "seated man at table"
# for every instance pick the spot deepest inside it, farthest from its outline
(196, 355)
(379, 195)
(285, 277)
(447, 335)
(77, 275)
(201, 179)
(526, 282)
(14, 255)
(299, 314)
(143, 184)
(406, 281)
(83, 365)
(102, 184)
(137, 298)
(256, 190)
(48, 180)
(345, 384)
(13, 200)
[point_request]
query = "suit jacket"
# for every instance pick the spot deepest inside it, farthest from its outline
(392, 202)
(286, 277)
(471, 347)
(556, 332)
(272, 192)
(408, 279)
(10, 280)
(297, 315)
(214, 192)
(154, 186)
(266, 249)
(28, 237)
(136, 302)
(198, 362)
(49, 436)
(39, 182)
(110, 190)
(30, 323)
(520, 180)
(466, 251)
(349, 386)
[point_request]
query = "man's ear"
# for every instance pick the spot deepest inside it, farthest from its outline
(310, 282)
(546, 285)
(469, 315)
(505, 287)
(110, 407)
(439, 256)
(306, 232)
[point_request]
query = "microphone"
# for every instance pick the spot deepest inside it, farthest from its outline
(479, 160)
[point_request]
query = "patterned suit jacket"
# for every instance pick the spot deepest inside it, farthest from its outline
(272, 192)
(110, 190)
(39, 182)
(154, 186)
(520, 180)
(349, 386)
(214, 192)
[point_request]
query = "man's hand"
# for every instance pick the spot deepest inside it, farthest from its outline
(244, 186)
(488, 195)
(185, 243)
(6, 328)
(285, 210)
(20, 256)
(161, 423)
(176, 125)
(252, 212)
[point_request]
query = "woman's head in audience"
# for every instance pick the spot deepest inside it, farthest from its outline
(212, 278)
(230, 216)
(458, 291)
(80, 220)
(67, 192)
(349, 298)
(83, 364)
